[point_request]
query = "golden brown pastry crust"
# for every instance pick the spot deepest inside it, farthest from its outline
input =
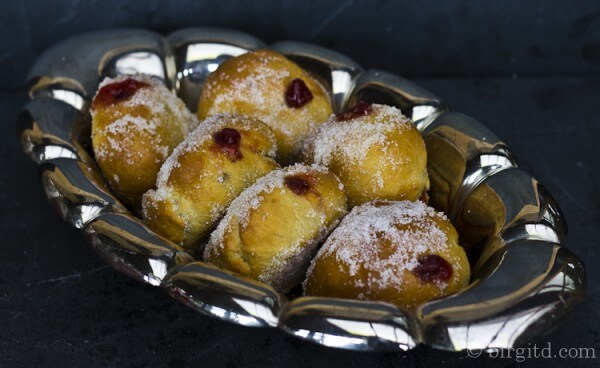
(377, 156)
(273, 229)
(255, 84)
(133, 132)
(381, 251)
(216, 162)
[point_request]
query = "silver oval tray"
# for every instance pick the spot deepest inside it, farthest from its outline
(523, 281)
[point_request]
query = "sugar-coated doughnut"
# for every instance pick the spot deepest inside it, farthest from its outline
(136, 124)
(404, 253)
(375, 151)
(224, 155)
(274, 228)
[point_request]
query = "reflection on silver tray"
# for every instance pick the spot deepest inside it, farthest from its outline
(523, 282)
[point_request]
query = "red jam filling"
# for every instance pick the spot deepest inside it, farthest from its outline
(361, 108)
(433, 268)
(228, 141)
(299, 184)
(297, 94)
(114, 93)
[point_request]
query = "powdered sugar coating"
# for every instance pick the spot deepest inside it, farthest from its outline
(118, 137)
(378, 154)
(157, 98)
(251, 198)
(356, 242)
(286, 267)
(352, 139)
(160, 102)
(250, 89)
(200, 137)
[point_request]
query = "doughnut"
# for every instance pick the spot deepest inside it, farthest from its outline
(136, 124)
(401, 252)
(375, 151)
(272, 230)
(224, 155)
(268, 86)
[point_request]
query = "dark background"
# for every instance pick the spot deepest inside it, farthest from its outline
(529, 70)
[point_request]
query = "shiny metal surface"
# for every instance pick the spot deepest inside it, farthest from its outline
(224, 295)
(461, 153)
(77, 191)
(350, 324)
(523, 280)
(70, 71)
(415, 102)
(49, 128)
(126, 244)
(523, 290)
(199, 52)
(506, 207)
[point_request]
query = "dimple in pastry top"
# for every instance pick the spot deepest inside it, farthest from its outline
(268, 86)
(136, 123)
(272, 230)
(375, 151)
(404, 253)
(224, 155)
